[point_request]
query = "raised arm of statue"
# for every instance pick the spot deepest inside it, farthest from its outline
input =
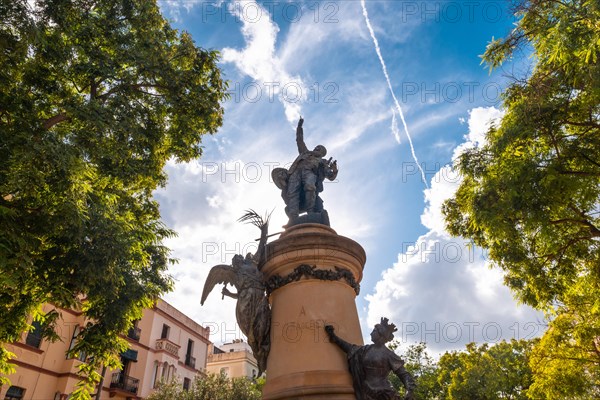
(300, 137)
(371, 364)
(342, 344)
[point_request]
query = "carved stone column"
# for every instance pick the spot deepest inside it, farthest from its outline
(312, 276)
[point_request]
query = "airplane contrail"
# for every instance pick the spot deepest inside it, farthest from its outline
(395, 130)
(387, 78)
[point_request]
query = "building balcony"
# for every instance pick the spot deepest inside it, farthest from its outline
(190, 361)
(125, 383)
(168, 346)
(134, 333)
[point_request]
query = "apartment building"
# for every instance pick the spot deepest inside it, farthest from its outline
(233, 359)
(165, 344)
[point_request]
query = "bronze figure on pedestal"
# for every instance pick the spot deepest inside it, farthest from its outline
(252, 311)
(371, 364)
(301, 184)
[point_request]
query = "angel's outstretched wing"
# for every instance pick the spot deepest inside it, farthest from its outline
(218, 274)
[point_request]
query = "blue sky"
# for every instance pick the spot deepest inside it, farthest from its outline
(318, 59)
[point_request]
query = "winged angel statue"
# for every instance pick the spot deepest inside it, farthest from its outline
(252, 311)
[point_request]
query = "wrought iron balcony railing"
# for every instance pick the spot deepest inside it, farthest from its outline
(134, 333)
(190, 361)
(124, 382)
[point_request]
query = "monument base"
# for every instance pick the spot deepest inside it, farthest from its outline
(331, 385)
(312, 275)
(320, 217)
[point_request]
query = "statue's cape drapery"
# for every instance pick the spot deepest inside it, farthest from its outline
(362, 389)
(356, 366)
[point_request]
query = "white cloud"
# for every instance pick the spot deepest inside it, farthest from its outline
(446, 180)
(323, 28)
(366, 108)
(443, 186)
(441, 290)
(174, 8)
(214, 201)
(480, 120)
(259, 61)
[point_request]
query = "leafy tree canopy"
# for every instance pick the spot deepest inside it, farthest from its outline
(423, 368)
(485, 372)
(531, 193)
(210, 387)
(95, 97)
(566, 362)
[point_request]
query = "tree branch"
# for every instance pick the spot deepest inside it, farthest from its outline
(586, 124)
(588, 159)
(135, 87)
(58, 118)
(595, 232)
(580, 173)
(93, 89)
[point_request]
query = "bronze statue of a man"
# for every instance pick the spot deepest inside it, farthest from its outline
(371, 364)
(301, 184)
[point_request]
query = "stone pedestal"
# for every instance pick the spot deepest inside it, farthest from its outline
(312, 275)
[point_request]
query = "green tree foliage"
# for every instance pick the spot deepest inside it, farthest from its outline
(210, 387)
(531, 194)
(566, 363)
(486, 372)
(423, 368)
(95, 97)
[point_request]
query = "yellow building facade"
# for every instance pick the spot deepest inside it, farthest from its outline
(232, 359)
(164, 345)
